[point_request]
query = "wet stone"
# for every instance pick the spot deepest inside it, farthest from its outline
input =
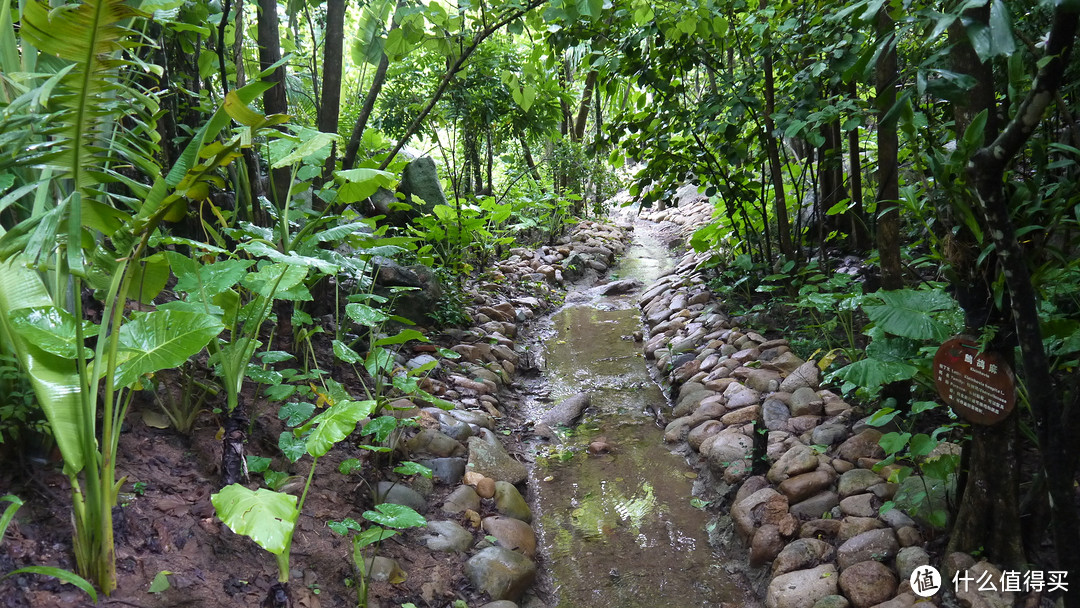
(815, 506)
(398, 494)
(796, 461)
(462, 499)
(447, 536)
(804, 486)
(873, 545)
(703, 431)
(868, 583)
(488, 457)
(501, 573)
(436, 443)
(775, 413)
(801, 554)
(511, 533)
(852, 526)
(509, 502)
(801, 588)
(446, 471)
(856, 481)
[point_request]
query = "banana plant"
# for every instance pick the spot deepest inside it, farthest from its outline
(63, 115)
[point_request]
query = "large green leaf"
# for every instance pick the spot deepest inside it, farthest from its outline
(162, 339)
(55, 379)
(209, 279)
(335, 424)
(51, 329)
(362, 183)
(909, 313)
(264, 516)
(395, 516)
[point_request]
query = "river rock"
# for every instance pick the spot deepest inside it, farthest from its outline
(739, 395)
(860, 505)
(775, 413)
(829, 433)
(725, 448)
(816, 506)
(512, 533)
(863, 445)
(910, 558)
(447, 536)
(832, 601)
(852, 526)
(801, 588)
(500, 604)
(749, 512)
(474, 417)
(690, 398)
(856, 481)
(873, 545)
(801, 487)
(488, 457)
(805, 401)
(796, 461)
(382, 569)
(806, 375)
(448, 471)
(462, 499)
(821, 529)
(801, 554)
(702, 432)
(868, 583)
(741, 416)
(785, 363)
(619, 287)
(763, 380)
(509, 502)
(436, 443)
(909, 536)
(766, 544)
(501, 573)
(678, 429)
(565, 413)
(398, 494)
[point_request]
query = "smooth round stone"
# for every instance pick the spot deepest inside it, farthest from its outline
(509, 502)
(399, 494)
(446, 471)
(501, 573)
(461, 499)
(511, 533)
(448, 536)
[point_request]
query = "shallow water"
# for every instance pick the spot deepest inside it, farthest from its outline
(618, 529)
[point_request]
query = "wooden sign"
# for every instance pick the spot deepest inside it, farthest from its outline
(979, 387)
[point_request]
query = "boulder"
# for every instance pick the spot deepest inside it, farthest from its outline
(398, 494)
(863, 445)
(856, 481)
(420, 180)
(462, 499)
(806, 375)
(766, 544)
(801, 487)
(509, 502)
(816, 506)
(801, 554)
(867, 583)
(501, 573)
(447, 536)
(488, 457)
(873, 545)
(512, 533)
(802, 588)
(796, 461)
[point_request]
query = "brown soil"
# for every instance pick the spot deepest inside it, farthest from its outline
(171, 526)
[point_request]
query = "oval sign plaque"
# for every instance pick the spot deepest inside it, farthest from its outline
(979, 387)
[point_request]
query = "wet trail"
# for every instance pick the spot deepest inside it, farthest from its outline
(618, 529)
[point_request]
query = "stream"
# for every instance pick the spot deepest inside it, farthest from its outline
(617, 528)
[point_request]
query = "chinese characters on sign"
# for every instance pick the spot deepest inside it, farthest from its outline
(978, 386)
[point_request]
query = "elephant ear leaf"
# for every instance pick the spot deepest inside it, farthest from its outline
(162, 339)
(264, 516)
(51, 329)
(911, 314)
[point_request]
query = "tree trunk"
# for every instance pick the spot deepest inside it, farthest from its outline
(860, 237)
(583, 107)
(274, 99)
(888, 228)
(776, 175)
(330, 108)
(353, 146)
(990, 480)
(987, 171)
(529, 162)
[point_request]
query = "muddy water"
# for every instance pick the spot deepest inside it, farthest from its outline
(618, 529)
